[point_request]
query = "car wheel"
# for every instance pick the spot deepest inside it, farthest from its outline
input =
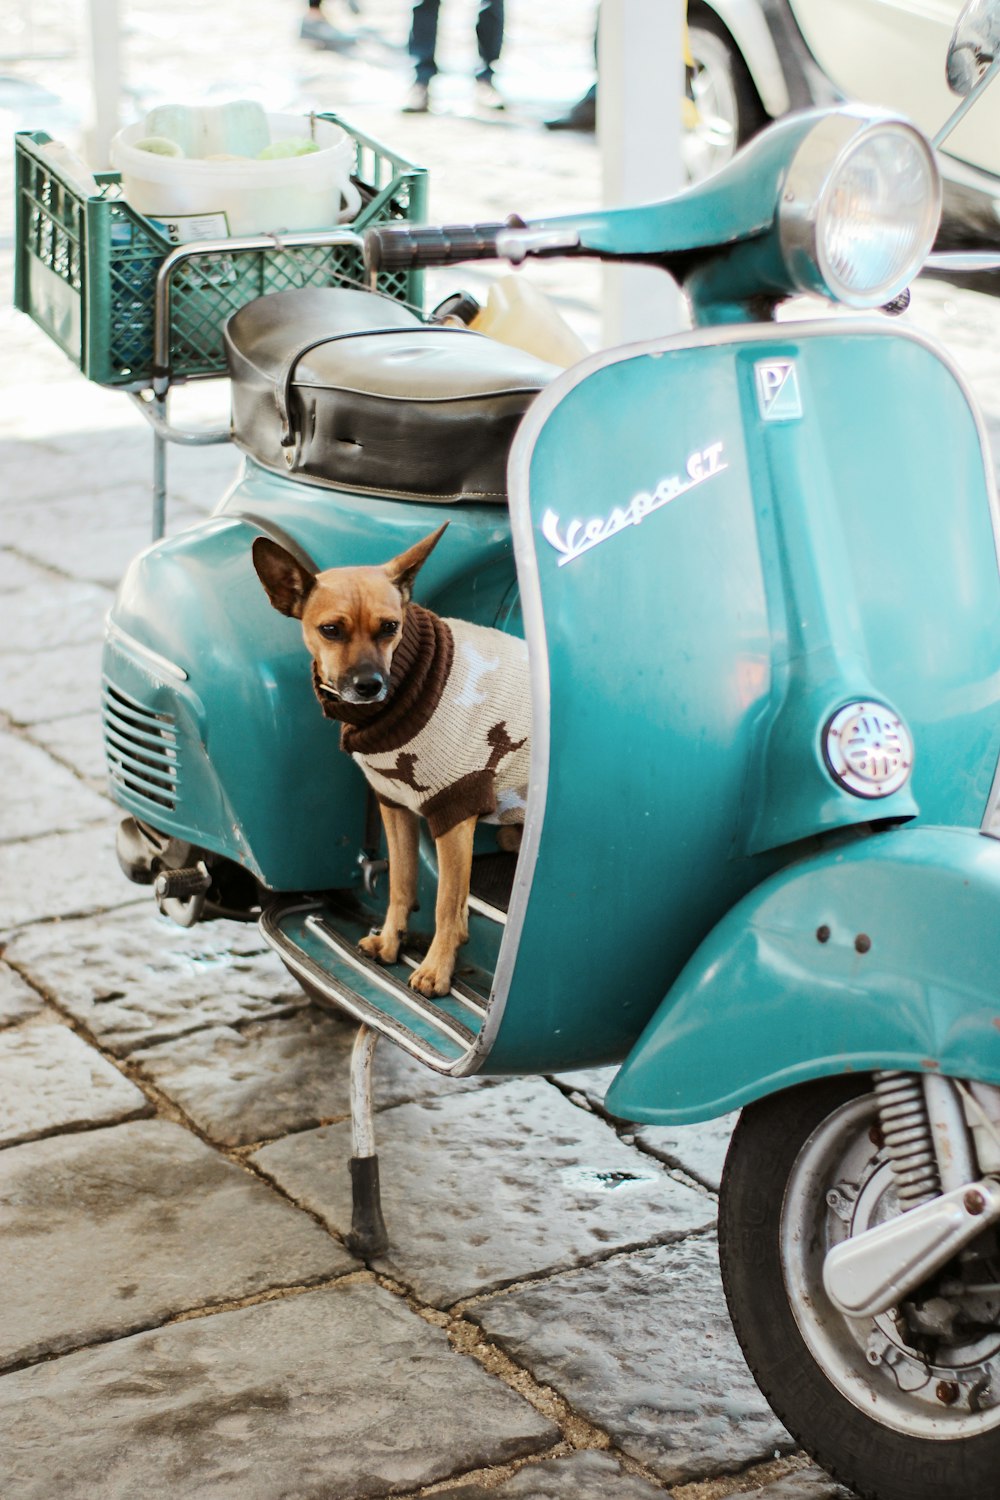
(903, 1405)
(723, 108)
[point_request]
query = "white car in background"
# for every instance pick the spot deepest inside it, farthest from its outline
(757, 59)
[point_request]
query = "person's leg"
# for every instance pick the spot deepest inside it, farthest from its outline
(489, 36)
(423, 39)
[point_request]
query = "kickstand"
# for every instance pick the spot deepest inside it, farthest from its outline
(368, 1237)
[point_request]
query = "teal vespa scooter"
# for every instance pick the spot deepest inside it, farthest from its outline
(756, 569)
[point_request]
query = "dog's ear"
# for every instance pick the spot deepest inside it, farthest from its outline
(287, 581)
(402, 570)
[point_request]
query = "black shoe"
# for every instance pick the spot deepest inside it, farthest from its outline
(417, 101)
(583, 115)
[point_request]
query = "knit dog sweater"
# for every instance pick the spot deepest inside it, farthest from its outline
(452, 739)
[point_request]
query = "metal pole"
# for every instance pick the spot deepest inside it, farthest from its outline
(105, 80)
(639, 100)
(159, 473)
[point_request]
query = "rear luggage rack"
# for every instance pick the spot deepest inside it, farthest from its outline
(441, 1032)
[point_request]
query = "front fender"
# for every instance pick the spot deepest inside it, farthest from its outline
(882, 953)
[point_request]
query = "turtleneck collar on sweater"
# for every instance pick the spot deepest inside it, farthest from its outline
(420, 666)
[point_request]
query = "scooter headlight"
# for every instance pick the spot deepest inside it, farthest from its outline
(859, 208)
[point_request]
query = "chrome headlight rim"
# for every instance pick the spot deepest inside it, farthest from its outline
(809, 187)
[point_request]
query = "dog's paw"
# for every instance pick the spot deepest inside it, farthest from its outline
(431, 979)
(383, 947)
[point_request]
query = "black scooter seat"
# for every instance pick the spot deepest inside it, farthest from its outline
(350, 389)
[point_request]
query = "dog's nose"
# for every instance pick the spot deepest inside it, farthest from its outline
(369, 687)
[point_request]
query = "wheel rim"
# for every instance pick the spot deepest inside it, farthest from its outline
(841, 1184)
(711, 141)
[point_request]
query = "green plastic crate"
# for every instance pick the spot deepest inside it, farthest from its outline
(86, 266)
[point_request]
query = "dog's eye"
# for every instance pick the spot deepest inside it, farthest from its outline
(332, 631)
(388, 627)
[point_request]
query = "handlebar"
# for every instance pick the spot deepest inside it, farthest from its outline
(404, 247)
(400, 247)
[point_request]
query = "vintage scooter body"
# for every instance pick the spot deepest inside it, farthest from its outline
(756, 569)
(727, 551)
(722, 548)
(701, 598)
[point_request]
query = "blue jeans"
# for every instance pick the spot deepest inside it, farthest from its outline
(423, 37)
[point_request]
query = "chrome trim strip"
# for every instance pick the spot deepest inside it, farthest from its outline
(446, 1025)
(346, 1000)
(132, 647)
(526, 561)
(459, 991)
(492, 913)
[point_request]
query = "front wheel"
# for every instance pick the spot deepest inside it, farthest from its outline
(723, 108)
(901, 1406)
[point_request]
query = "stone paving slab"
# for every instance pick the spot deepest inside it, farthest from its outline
(805, 1484)
(271, 1077)
(134, 978)
(581, 1476)
(643, 1347)
(116, 1230)
(699, 1150)
(105, 542)
(341, 1392)
(17, 999)
(18, 573)
(117, 461)
(490, 1187)
(51, 1080)
(48, 684)
(49, 798)
(61, 612)
(78, 741)
(60, 875)
(592, 1083)
(67, 468)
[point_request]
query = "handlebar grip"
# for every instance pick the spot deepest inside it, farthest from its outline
(403, 247)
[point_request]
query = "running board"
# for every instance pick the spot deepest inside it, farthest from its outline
(318, 944)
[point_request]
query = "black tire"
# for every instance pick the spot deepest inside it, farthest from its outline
(723, 85)
(877, 1451)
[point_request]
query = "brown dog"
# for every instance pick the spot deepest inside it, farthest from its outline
(437, 714)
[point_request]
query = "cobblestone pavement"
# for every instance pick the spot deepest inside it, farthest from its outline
(180, 1315)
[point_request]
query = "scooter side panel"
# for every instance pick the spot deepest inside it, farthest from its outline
(262, 778)
(704, 583)
(881, 954)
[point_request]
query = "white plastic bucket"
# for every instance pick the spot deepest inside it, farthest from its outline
(195, 199)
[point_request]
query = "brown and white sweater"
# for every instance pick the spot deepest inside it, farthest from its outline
(452, 739)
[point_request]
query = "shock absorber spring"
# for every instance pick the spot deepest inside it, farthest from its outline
(906, 1131)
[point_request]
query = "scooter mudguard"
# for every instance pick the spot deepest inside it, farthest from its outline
(722, 539)
(883, 953)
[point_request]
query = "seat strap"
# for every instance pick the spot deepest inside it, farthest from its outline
(286, 372)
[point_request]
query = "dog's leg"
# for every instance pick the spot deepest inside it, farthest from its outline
(451, 914)
(402, 833)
